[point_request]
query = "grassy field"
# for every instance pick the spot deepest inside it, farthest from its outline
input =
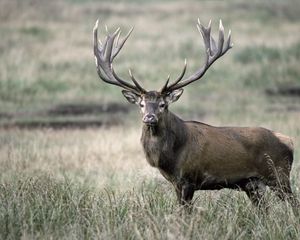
(94, 182)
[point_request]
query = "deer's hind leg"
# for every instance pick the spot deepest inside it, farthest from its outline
(255, 190)
(279, 181)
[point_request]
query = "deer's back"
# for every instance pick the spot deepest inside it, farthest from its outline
(232, 153)
(249, 139)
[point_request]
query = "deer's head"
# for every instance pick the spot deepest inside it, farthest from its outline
(154, 104)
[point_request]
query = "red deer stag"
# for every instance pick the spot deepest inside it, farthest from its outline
(193, 155)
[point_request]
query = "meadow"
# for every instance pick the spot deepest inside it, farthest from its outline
(71, 164)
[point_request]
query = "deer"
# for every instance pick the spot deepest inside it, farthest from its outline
(193, 155)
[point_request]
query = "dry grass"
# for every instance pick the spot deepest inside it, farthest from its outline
(96, 184)
(91, 155)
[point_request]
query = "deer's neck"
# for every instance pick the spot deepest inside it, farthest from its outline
(169, 124)
(161, 142)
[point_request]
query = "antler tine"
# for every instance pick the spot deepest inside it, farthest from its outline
(229, 44)
(104, 56)
(136, 82)
(213, 52)
(118, 48)
(205, 33)
(221, 37)
(165, 87)
(98, 52)
(118, 38)
(110, 43)
(95, 34)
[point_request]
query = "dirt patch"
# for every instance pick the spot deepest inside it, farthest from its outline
(284, 108)
(284, 99)
(83, 109)
(58, 125)
(5, 116)
(293, 91)
(66, 116)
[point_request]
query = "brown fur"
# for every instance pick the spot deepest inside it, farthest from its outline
(196, 156)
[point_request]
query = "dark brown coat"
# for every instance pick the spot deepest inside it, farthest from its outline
(196, 156)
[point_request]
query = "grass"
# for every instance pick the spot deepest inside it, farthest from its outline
(43, 207)
(95, 182)
(74, 184)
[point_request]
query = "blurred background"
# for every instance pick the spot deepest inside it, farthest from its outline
(48, 75)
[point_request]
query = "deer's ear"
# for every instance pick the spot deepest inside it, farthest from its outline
(174, 95)
(131, 97)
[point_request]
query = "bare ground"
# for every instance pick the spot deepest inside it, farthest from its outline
(66, 116)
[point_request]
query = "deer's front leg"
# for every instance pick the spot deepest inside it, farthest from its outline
(185, 193)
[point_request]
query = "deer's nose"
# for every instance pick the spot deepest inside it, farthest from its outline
(150, 119)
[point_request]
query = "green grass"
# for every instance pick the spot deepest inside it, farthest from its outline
(43, 207)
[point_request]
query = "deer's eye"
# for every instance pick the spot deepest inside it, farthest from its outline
(142, 105)
(162, 105)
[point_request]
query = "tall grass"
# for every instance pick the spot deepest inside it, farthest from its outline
(95, 183)
(42, 207)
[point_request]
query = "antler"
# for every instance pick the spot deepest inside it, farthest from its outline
(104, 56)
(213, 52)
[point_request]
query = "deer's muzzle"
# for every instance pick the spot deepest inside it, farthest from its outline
(150, 119)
